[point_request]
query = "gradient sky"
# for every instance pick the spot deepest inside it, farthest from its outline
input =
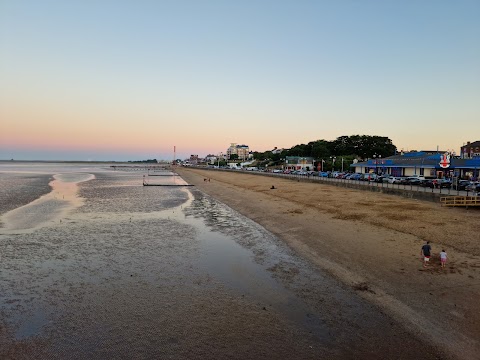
(127, 80)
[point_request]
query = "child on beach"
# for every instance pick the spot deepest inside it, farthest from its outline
(425, 253)
(443, 258)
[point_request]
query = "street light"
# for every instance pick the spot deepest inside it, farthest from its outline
(376, 161)
(333, 162)
(221, 155)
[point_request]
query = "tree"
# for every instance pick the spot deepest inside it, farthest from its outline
(320, 149)
(348, 147)
(364, 146)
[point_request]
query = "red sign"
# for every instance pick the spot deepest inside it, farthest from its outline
(445, 161)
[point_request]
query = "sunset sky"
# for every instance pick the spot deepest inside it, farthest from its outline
(128, 80)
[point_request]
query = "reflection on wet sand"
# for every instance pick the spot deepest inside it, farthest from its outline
(159, 272)
(50, 207)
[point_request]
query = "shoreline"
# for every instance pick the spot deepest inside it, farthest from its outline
(371, 242)
(149, 266)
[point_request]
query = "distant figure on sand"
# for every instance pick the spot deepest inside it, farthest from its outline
(443, 258)
(425, 252)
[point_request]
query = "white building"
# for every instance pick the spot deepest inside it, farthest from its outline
(304, 163)
(211, 159)
(242, 151)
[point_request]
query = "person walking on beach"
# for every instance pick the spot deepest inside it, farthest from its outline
(425, 252)
(443, 258)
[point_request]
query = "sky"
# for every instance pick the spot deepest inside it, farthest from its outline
(130, 80)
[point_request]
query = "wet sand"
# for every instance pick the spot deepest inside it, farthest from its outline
(126, 271)
(13, 196)
(371, 242)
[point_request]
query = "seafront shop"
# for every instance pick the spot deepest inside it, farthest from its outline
(422, 163)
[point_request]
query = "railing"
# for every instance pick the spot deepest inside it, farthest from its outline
(372, 184)
(418, 188)
(464, 201)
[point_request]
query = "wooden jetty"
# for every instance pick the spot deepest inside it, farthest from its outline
(462, 201)
(145, 183)
(162, 174)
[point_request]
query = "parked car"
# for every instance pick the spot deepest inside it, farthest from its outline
(472, 186)
(420, 177)
(439, 183)
(394, 180)
(425, 182)
(356, 176)
(461, 185)
(414, 180)
(369, 177)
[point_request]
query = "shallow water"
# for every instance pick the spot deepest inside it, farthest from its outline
(110, 268)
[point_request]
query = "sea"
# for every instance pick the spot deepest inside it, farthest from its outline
(93, 265)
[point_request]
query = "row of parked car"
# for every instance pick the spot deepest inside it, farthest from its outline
(462, 185)
(467, 185)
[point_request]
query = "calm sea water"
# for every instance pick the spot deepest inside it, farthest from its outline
(94, 264)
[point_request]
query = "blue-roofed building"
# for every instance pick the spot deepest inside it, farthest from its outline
(430, 164)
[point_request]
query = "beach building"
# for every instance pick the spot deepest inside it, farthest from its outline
(304, 163)
(242, 151)
(210, 159)
(276, 150)
(470, 150)
(430, 164)
(194, 159)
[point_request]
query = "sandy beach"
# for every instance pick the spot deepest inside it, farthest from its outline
(104, 267)
(371, 242)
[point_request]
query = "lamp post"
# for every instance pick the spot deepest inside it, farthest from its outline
(375, 160)
(342, 164)
(323, 161)
(333, 162)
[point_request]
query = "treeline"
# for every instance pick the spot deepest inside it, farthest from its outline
(149, 161)
(359, 147)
